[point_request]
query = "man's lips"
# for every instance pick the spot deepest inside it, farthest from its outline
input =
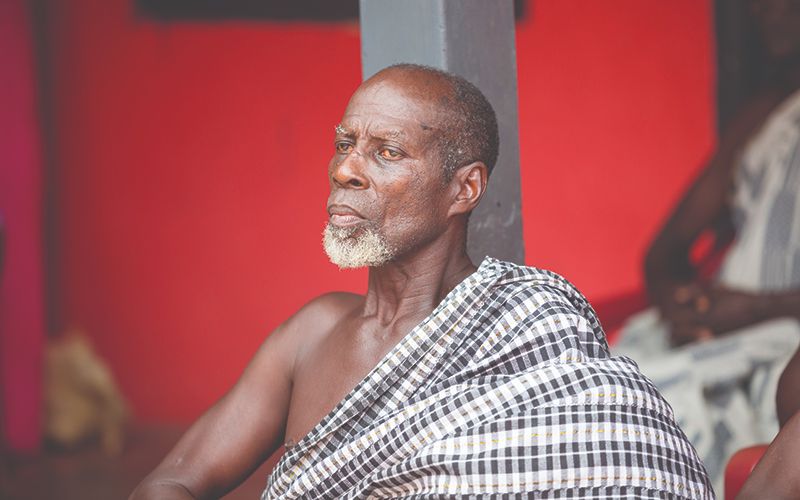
(343, 215)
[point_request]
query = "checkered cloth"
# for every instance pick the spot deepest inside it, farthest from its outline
(507, 390)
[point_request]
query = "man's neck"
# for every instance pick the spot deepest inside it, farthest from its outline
(414, 285)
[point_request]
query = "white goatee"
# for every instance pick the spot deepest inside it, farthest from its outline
(349, 250)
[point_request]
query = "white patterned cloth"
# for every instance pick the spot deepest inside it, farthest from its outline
(766, 253)
(723, 391)
(507, 390)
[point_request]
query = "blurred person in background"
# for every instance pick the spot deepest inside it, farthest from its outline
(716, 347)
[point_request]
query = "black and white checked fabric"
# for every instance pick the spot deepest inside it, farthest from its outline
(507, 390)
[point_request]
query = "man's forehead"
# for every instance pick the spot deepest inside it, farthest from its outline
(390, 100)
(410, 78)
(418, 88)
(391, 119)
(391, 105)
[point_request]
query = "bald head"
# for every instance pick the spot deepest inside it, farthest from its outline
(466, 123)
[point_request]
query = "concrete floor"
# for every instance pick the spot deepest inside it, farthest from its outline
(89, 474)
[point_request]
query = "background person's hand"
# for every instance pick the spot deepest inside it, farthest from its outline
(698, 312)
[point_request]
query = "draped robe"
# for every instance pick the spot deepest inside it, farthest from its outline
(506, 390)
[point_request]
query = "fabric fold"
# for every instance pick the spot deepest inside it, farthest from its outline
(506, 389)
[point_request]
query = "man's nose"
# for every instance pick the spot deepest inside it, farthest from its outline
(348, 172)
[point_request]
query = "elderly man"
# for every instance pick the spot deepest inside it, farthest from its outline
(444, 379)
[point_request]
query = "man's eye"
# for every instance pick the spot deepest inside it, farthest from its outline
(343, 147)
(390, 154)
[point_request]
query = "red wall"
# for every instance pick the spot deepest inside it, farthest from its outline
(616, 116)
(193, 161)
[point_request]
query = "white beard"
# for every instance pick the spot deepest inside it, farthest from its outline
(347, 250)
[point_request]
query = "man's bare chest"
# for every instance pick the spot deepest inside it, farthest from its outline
(330, 371)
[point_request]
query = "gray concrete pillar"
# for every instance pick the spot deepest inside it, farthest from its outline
(474, 39)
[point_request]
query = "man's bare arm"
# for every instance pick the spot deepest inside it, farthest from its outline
(246, 426)
(235, 435)
(787, 397)
(704, 204)
(670, 276)
(776, 476)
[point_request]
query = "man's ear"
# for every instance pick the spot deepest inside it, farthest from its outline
(468, 185)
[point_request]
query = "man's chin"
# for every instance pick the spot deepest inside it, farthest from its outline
(350, 248)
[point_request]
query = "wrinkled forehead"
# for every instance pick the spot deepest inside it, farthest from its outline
(414, 83)
(408, 96)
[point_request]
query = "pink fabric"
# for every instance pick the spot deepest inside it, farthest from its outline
(21, 297)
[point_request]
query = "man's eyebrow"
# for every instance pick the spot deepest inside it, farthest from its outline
(381, 134)
(375, 134)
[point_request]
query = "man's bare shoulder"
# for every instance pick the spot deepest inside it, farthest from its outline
(331, 306)
(306, 329)
(322, 313)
